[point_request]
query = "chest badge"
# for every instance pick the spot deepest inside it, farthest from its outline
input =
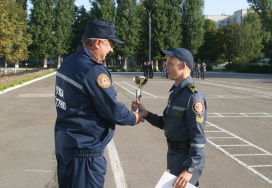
(103, 81)
(198, 107)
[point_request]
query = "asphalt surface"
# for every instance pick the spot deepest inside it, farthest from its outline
(238, 131)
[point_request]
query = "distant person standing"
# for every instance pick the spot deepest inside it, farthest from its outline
(144, 68)
(151, 69)
(202, 70)
(197, 70)
(147, 69)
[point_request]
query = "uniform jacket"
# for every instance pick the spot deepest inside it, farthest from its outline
(87, 109)
(184, 120)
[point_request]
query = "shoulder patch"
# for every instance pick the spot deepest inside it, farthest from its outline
(193, 88)
(198, 107)
(103, 81)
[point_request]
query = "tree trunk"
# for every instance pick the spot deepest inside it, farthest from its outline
(125, 63)
(6, 68)
(59, 60)
(157, 65)
(45, 62)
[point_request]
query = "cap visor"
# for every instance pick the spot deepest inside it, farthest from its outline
(118, 41)
(169, 53)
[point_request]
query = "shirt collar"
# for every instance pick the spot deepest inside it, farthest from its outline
(83, 50)
(182, 84)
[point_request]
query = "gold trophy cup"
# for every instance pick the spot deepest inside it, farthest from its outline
(140, 81)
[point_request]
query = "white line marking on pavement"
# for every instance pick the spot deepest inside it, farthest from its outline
(241, 145)
(242, 155)
(259, 166)
(134, 93)
(142, 91)
(251, 168)
(38, 95)
(244, 115)
(117, 169)
(237, 88)
(239, 84)
(220, 137)
(125, 88)
(43, 171)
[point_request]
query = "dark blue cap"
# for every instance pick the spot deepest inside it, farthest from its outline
(181, 53)
(101, 29)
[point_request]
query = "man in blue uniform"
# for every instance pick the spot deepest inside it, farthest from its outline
(202, 70)
(183, 120)
(87, 110)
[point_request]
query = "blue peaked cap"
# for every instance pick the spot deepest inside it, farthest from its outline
(181, 53)
(101, 29)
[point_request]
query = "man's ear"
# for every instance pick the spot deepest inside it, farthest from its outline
(97, 43)
(182, 66)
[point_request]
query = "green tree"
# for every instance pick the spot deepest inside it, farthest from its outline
(14, 38)
(104, 10)
(165, 28)
(6, 33)
(192, 24)
(41, 22)
(226, 38)
(250, 36)
(264, 9)
(208, 51)
(127, 27)
(64, 17)
(23, 3)
(80, 19)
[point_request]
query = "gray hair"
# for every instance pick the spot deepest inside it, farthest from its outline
(90, 41)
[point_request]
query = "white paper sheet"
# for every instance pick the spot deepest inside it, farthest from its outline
(167, 181)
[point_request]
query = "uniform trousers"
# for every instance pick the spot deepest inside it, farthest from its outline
(82, 172)
(176, 160)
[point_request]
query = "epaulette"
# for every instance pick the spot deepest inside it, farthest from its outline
(193, 88)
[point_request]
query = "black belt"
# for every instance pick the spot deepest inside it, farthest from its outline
(178, 145)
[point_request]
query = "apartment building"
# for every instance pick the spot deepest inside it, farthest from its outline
(224, 20)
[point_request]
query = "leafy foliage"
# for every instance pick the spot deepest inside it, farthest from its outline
(14, 36)
(80, 18)
(41, 25)
(62, 28)
(128, 27)
(192, 24)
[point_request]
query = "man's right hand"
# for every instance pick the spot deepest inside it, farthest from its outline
(139, 117)
(136, 105)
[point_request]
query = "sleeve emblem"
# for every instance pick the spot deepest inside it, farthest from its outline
(198, 107)
(199, 120)
(103, 81)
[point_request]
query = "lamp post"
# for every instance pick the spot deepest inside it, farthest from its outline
(149, 41)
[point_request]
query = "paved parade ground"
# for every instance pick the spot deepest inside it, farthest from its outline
(238, 131)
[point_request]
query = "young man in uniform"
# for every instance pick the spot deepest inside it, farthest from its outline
(87, 110)
(183, 120)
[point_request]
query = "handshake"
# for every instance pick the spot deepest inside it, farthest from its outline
(139, 110)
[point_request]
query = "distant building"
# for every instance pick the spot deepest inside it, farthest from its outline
(224, 20)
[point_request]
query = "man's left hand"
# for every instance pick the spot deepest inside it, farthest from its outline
(182, 180)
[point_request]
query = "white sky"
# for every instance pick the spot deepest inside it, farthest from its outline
(212, 7)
